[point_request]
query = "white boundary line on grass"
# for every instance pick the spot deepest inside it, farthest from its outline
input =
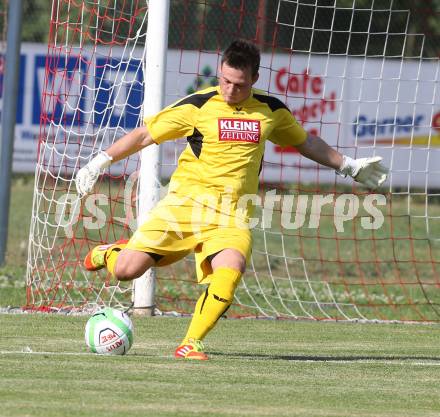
(335, 361)
(24, 352)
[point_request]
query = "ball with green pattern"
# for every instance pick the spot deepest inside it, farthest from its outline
(109, 332)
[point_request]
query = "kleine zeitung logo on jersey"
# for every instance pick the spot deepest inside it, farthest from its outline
(239, 130)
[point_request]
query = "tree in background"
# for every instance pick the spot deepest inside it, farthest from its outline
(36, 15)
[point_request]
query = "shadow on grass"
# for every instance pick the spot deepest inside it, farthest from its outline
(318, 358)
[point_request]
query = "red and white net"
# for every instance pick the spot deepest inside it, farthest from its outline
(362, 74)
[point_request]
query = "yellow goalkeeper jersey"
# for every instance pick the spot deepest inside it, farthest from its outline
(225, 142)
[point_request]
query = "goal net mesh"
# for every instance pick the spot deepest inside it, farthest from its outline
(363, 74)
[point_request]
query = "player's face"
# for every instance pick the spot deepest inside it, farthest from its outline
(236, 84)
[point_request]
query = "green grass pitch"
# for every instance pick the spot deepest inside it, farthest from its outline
(257, 368)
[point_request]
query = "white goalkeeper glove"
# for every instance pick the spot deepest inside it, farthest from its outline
(88, 175)
(367, 171)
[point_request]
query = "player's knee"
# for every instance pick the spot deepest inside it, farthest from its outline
(239, 264)
(127, 268)
(229, 258)
(125, 272)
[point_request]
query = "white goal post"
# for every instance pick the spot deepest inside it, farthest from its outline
(149, 175)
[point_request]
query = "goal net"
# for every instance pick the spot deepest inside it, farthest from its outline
(363, 74)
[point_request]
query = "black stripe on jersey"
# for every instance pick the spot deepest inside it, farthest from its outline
(261, 165)
(197, 100)
(196, 142)
(273, 102)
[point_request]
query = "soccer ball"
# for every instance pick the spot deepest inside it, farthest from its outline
(109, 332)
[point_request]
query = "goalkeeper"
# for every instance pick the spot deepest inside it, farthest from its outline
(226, 128)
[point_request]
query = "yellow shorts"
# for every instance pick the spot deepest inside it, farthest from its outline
(173, 230)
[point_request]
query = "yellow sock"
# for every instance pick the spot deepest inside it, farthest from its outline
(213, 303)
(112, 255)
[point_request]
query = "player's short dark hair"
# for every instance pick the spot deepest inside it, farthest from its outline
(242, 54)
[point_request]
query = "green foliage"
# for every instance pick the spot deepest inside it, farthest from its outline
(213, 24)
(36, 20)
(357, 27)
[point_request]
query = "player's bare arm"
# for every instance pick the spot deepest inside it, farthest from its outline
(319, 151)
(127, 145)
(367, 171)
